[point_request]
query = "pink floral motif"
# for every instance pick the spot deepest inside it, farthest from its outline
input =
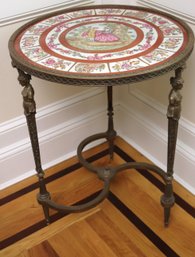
(171, 43)
(81, 13)
(35, 53)
(101, 36)
(50, 62)
(89, 68)
(127, 65)
(137, 14)
(29, 41)
(56, 64)
(143, 25)
(157, 55)
(57, 19)
(97, 57)
(37, 30)
(109, 11)
(159, 20)
(168, 31)
(85, 34)
(144, 46)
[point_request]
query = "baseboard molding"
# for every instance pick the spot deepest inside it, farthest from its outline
(54, 148)
(141, 121)
(179, 12)
(145, 129)
(61, 127)
(186, 133)
(46, 10)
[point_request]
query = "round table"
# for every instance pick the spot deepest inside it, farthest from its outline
(102, 46)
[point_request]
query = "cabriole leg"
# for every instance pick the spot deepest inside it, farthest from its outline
(173, 115)
(30, 111)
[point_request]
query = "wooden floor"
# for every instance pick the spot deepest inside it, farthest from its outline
(128, 223)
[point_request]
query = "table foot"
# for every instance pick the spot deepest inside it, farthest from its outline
(167, 200)
(42, 199)
(167, 212)
(167, 203)
(46, 213)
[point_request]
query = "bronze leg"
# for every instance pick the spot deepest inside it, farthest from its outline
(30, 111)
(173, 115)
(111, 133)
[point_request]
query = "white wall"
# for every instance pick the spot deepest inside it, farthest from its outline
(14, 7)
(68, 114)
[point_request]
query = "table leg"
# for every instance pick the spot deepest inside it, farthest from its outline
(30, 111)
(173, 115)
(111, 133)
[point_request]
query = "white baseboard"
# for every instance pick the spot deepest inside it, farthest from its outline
(186, 132)
(141, 121)
(143, 125)
(61, 127)
(59, 148)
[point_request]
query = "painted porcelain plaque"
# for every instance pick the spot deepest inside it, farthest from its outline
(101, 41)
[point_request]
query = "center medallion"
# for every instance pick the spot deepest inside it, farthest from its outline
(102, 36)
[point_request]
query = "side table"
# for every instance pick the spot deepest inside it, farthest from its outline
(102, 46)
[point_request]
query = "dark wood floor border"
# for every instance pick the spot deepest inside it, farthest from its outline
(41, 224)
(51, 178)
(143, 228)
(155, 181)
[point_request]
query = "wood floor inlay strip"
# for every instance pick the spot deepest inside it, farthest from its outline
(51, 178)
(41, 224)
(134, 219)
(180, 201)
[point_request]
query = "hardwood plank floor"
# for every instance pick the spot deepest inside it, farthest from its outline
(128, 223)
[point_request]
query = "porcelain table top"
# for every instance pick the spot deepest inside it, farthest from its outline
(102, 42)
